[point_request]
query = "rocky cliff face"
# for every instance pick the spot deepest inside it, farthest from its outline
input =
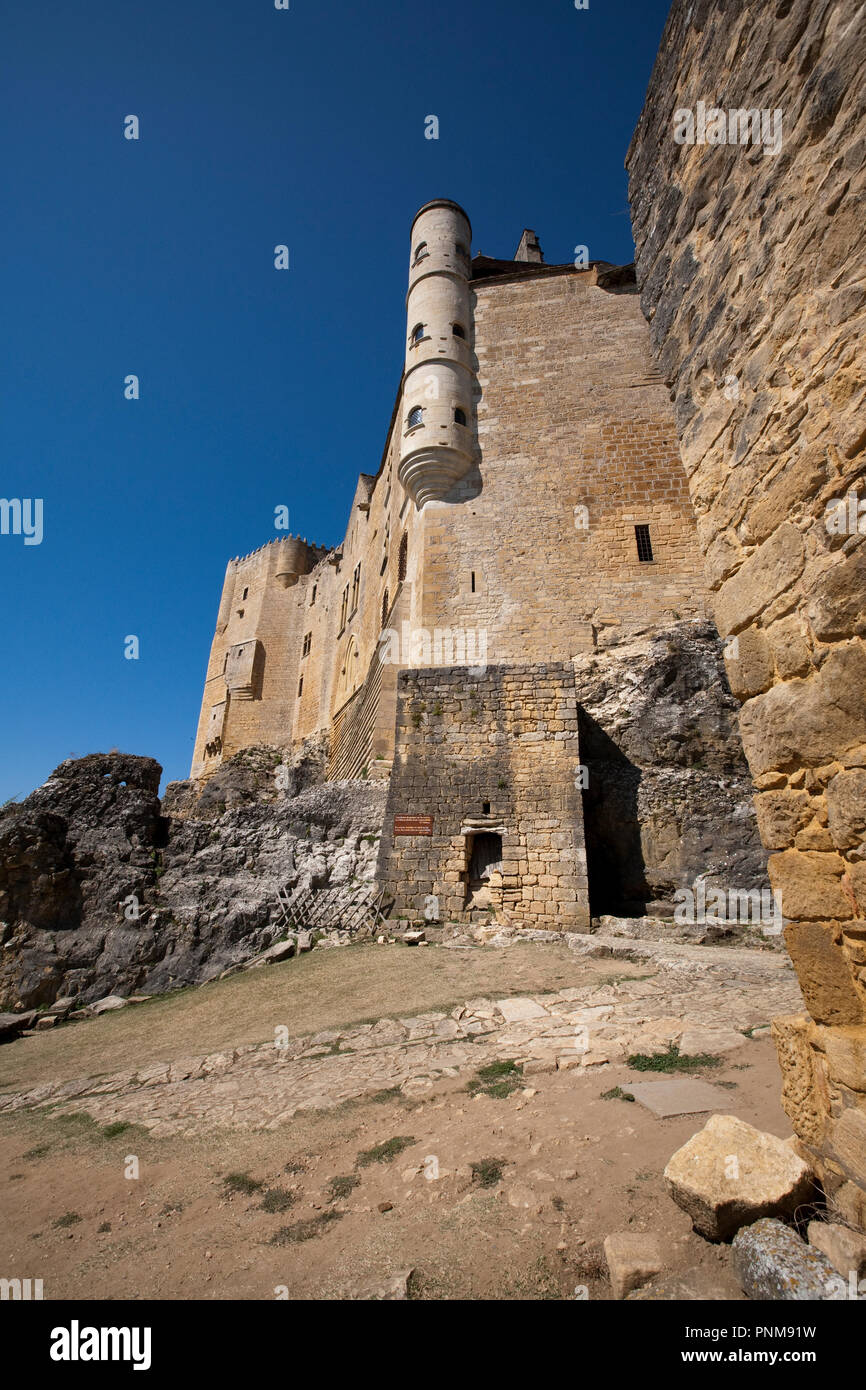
(103, 890)
(668, 800)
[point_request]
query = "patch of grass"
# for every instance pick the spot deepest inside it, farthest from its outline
(487, 1172)
(381, 1097)
(117, 1127)
(69, 1218)
(300, 1231)
(384, 1153)
(558, 1203)
(295, 1165)
(104, 1228)
(277, 1199)
(591, 1263)
(340, 1188)
(242, 1182)
(671, 1061)
(616, 1093)
(497, 1079)
(38, 1152)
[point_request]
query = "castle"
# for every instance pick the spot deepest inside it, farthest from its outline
(530, 507)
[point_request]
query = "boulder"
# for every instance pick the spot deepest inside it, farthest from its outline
(773, 1264)
(305, 941)
(281, 950)
(12, 1024)
(414, 938)
(108, 1004)
(632, 1260)
(844, 1248)
(729, 1174)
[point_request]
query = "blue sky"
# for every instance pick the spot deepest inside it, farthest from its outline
(155, 257)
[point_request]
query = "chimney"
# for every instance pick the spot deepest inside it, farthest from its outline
(529, 249)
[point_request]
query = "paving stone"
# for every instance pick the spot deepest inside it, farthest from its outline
(520, 1010)
(679, 1096)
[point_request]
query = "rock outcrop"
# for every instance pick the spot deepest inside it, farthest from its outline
(104, 891)
(668, 799)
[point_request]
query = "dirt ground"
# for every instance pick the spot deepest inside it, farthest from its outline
(574, 1166)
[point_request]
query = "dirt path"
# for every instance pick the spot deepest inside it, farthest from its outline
(566, 1166)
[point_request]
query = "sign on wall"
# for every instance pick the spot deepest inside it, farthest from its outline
(413, 825)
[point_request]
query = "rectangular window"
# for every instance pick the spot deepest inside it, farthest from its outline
(344, 608)
(313, 599)
(308, 642)
(300, 687)
(644, 544)
(473, 581)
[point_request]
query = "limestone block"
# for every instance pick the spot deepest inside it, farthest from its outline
(825, 977)
(808, 722)
(632, 1260)
(844, 1248)
(774, 567)
(847, 1140)
(804, 1097)
(729, 1174)
(846, 807)
(810, 884)
(773, 1263)
(751, 670)
(781, 814)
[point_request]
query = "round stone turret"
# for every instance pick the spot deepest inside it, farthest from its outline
(438, 445)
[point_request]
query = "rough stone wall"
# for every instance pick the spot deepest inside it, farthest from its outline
(570, 414)
(751, 267)
(498, 753)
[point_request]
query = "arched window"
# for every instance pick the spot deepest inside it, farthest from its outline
(386, 604)
(458, 330)
(417, 333)
(420, 252)
(416, 415)
(403, 557)
(460, 417)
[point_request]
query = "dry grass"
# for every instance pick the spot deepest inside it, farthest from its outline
(323, 990)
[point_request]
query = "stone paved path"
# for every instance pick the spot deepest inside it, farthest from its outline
(700, 997)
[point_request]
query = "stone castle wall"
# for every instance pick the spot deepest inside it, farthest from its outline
(751, 268)
(492, 753)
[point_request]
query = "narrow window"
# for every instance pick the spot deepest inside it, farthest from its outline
(458, 330)
(417, 333)
(356, 587)
(244, 594)
(473, 582)
(416, 415)
(403, 557)
(308, 642)
(420, 251)
(385, 607)
(460, 417)
(485, 808)
(313, 599)
(344, 608)
(300, 687)
(644, 544)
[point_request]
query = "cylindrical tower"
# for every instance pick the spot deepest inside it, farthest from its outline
(438, 424)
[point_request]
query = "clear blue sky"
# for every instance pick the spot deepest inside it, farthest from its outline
(258, 387)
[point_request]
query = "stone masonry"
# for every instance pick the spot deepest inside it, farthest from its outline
(493, 755)
(750, 261)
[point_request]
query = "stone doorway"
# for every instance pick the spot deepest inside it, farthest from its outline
(483, 859)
